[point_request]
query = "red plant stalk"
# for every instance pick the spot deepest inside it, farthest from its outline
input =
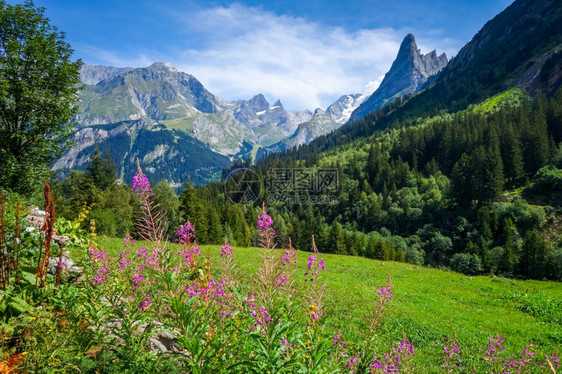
(17, 244)
(59, 267)
(4, 260)
(48, 230)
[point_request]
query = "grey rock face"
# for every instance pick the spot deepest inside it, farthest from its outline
(321, 123)
(69, 270)
(93, 74)
(269, 122)
(408, 73)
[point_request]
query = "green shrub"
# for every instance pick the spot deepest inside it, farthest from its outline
(466, 263)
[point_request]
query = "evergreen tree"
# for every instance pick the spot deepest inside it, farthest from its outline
(337, 239)
(102, 170)
(534, 255)
(215, 234)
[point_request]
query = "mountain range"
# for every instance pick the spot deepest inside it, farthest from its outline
(151, 113)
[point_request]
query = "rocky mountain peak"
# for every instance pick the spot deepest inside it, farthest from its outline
(408, 73)
(163, 66)
(318, 112)
(259, 102)
(408, 48)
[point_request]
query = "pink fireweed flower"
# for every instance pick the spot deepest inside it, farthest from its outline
(492, 351)
(265, 230)
(141, 183)
(101, 275)
(124, 261)
(406, 346)
(394, 359)
(142, 253)
(350, 364)
(338, 340)
(137, 279)
(281, 280)
(226, 251)
(153, 260)
(186, 233)
(129, 240)
(97, 255)
(385, 291)
(288, 257)
(554, 358)
(285, 343)
(143, 305)
(314, 266)
(311, 261)
(379, 306)
(264, 221)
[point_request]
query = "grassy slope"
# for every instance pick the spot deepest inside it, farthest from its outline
(428, 303)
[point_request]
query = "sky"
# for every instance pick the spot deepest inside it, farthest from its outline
(306, 53)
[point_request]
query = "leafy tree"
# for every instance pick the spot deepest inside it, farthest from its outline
(466, 263)
(169, 202)
(38, 86)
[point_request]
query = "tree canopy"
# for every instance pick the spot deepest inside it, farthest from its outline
(38, 91)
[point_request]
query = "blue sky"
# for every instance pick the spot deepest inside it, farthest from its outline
(305, 52)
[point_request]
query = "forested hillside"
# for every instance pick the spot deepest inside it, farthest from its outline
(471, 191)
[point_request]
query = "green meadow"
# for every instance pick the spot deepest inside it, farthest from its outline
(428, 304)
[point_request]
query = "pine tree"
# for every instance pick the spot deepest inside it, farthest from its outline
(102, 170)
(215, 234)
(510, 260)
(512, 157)
(337, 239)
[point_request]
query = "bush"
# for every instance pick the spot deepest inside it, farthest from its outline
(466, 263)
(548, 179)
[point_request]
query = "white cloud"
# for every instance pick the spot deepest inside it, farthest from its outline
(306, 65)
(241, 51)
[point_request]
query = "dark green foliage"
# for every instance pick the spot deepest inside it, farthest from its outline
(478, 176)
(38, 86)
(110, 204)
(547, 180)
(71, 194)
(103, 171)
(466, 263)
(534, 255)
